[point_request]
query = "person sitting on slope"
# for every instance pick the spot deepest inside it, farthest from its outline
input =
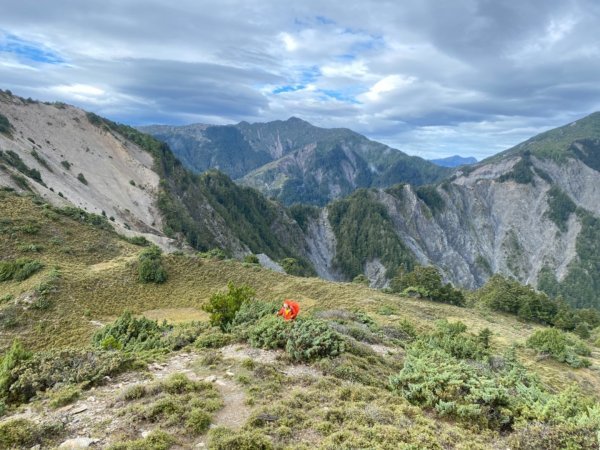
(290, 310)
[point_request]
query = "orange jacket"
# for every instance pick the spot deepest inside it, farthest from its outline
(291, 311)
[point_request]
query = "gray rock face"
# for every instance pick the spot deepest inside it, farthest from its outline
(486, 226)
(321, 243)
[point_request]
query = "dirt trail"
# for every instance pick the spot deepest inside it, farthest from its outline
(91, 421)
(94, 419)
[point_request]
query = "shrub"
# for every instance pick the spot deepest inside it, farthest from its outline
(12, 359)
(185, 334)
(19, 269)
(223, 438)
(252, 311)
(197, 421)
(223, 306)
(270, 332)
(64, 396)
(434, 379)
(137, 240)
(157, 440)
(426, 282)
(46, 370)
(5, 126)
(251, 259)
(542, 436)
(582, 330)
(311, 339)
(503, 294)
(361, 279)
(132, 334)
(560, 346)
(66, 165)
(23, 433)
(150, 268)
(81, 178)
(213, 339)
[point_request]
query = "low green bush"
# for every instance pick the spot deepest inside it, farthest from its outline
(214, 338)
(132, 334)
(64, 396)
(223, 438)
(19, 269)
(42, 371)
(157, 440)
(197, 421)
(434, 379)
(560, 346)
(176, 402)
(11, 360)
(23, 433)
(311, 339)
(252, 311)
(426, 282)
(270, 332)
(251, 259)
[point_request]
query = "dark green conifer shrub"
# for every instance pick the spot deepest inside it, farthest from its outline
(150, 268)
(311, 339)
(132, 334)
(270, 332)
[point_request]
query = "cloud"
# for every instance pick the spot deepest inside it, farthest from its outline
(428, 77)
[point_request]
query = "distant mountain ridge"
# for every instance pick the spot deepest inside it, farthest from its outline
(454, 161)
(294, 161)
(531, 212)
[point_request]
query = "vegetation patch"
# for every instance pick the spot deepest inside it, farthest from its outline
(560, 346)
(521, 172)
(223, 306)
(82, 178)
(454, 374)
(41, 160)
(157, 440)
(23, 374)
(560, 207)
(19, 269)
(23, 433)
(364, 231)
(176, 403)
(429, 195)
(132, 334)
(582, 282)
(5, 126)
(150, 267)
(508, 295)
(14, 160)
(426, 282)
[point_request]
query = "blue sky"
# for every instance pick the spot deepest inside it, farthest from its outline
(469, 77)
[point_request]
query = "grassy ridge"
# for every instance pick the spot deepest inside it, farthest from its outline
(99, 280)
(349, 405)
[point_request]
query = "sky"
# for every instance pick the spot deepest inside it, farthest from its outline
(429, 77)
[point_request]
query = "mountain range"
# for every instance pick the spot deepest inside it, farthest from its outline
(530, 212)
(454, 161)
(294, 161)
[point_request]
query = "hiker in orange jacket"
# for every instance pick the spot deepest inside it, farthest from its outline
(290, 310)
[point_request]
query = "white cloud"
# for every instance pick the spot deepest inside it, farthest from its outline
(466, 76)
